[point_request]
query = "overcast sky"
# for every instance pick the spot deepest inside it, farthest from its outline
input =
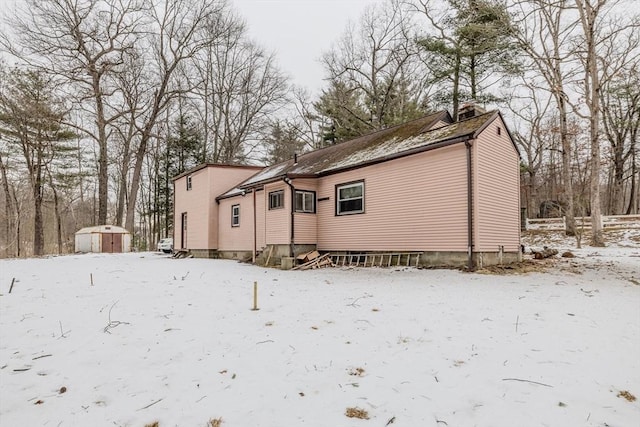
(299, 31)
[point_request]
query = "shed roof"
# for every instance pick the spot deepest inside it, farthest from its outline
(405, 139)
(106, 229)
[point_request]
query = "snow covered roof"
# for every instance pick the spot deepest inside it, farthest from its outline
(408, 138)
(103, 229)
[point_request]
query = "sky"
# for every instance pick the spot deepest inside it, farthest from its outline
(299, 31)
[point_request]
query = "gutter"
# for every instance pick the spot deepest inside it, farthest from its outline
(287, 180)
(470, 264)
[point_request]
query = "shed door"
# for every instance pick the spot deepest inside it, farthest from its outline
(112, 242)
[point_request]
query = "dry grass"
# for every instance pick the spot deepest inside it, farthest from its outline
(526, 266)
(357, 413)
(627, 395)
(153, 424)
(215, 422)
(356, 372)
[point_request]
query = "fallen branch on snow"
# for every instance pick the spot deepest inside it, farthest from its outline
(526, 381)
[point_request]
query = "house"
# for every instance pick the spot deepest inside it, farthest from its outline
(448, 190)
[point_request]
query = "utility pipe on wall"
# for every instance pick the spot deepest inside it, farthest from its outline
(470, 265)
(287, 180)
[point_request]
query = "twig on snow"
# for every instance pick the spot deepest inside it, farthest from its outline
(40, 357)
(113, 323)
(526, 381)
(517, 320)
(151, 404)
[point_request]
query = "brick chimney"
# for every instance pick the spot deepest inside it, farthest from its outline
(469, 110)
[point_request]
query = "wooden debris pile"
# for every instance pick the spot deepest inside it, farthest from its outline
(544, 253)
(313, 259)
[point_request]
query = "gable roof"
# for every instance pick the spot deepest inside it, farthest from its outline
(387, 144)
(210, 164)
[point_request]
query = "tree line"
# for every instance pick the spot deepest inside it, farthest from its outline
(102, 102)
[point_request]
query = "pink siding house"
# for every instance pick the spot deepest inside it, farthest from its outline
(446, 190)
(195, 208)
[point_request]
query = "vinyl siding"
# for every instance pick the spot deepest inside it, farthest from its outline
(196, 203)
(306, 229)
(417, 202)
(496, 191)
(200, 205)
(238, 238)
(278, 230)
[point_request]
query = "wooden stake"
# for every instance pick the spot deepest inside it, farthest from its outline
(12, 282)
(255, 297)
(91, 275)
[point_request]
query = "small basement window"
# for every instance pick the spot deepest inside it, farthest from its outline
(188, 182)
(235, 216)
(276, 199)
(305, 201)
(350, 198)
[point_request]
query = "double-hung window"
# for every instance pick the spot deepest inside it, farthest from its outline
(188, 182)
(235, 216)
(350, 198)
(305, 201)
(276, 199)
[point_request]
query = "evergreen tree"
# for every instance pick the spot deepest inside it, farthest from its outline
(468, 44)
(31, 118)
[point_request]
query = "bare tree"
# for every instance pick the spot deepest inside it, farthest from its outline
(92, 39)
(545, 32)
(601, 58)
(239, 88)
(178, 35)
(620, 103)
(374, 73)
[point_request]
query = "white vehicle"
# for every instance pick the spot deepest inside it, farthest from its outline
(165, 245)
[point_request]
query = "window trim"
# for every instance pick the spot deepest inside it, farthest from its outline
(281, 194)
(303, 192)
(338, 187)
(235, 218)
(189, 183)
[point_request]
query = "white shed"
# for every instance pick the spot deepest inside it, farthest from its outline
(103, 238)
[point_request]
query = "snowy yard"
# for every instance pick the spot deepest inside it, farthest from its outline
(175, 341)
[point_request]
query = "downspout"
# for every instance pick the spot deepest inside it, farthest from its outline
(255, 230)
(287, 180)
(470, 264)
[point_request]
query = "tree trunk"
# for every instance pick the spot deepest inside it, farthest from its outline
(567, 176)
(38, 228)
(456, 87)
(8, 207)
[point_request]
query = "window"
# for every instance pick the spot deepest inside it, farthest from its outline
(350, 198)
(235, 216)
(276, 199)
(305, 201)
(188, 182)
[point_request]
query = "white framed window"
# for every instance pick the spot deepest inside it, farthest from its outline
(276, 199)
(235, 216)
(188, 182)
(350, 198)
(305, 201)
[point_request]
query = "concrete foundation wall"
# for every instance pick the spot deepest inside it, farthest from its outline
(204, 253)
(427, 259)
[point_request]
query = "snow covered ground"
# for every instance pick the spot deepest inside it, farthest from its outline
(176, 341)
